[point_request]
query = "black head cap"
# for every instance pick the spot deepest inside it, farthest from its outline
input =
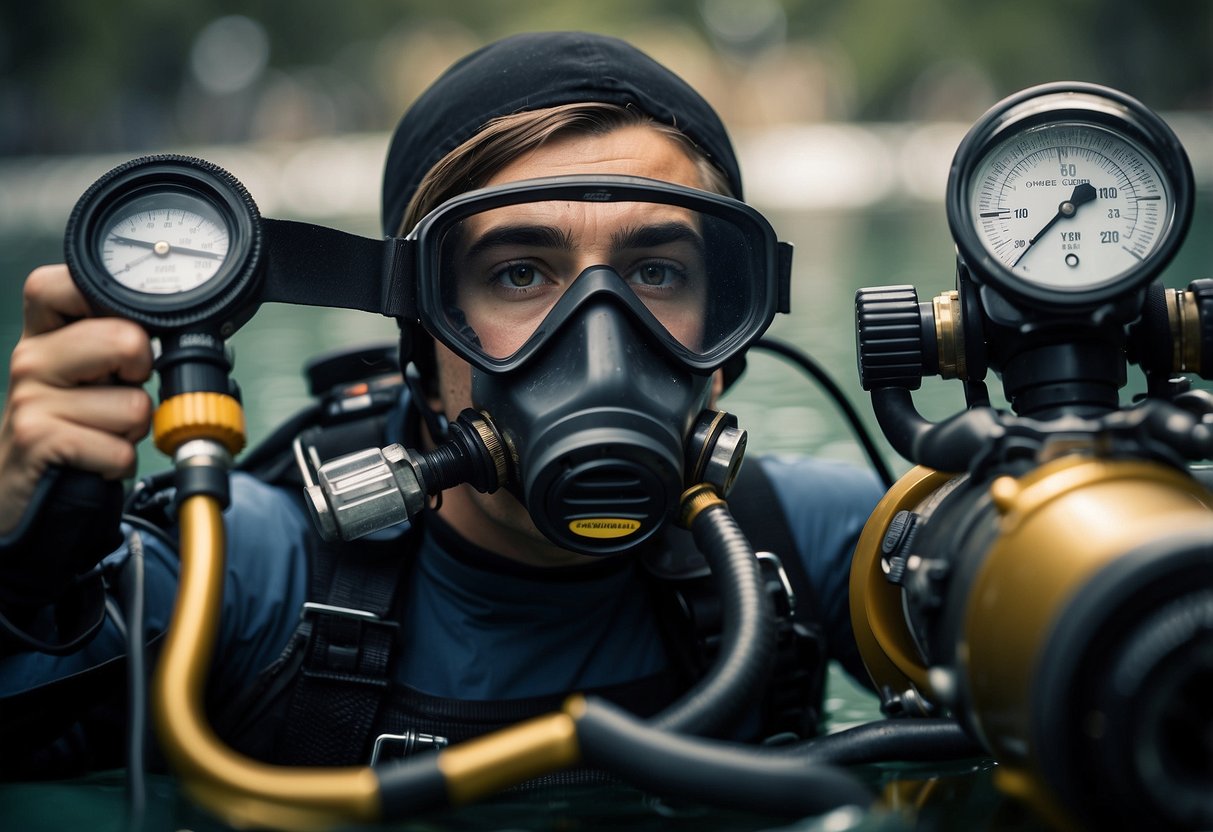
(531, 72)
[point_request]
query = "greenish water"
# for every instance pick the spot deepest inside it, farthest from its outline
(835, 254)
(958, 798)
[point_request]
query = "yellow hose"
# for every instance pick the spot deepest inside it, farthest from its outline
(239, 789)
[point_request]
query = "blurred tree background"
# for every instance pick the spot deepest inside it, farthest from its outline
(136, 74)
(846, 114)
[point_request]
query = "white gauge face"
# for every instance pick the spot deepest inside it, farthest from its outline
(164, 243)
(1070, 205)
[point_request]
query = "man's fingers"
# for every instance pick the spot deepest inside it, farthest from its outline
(125, 412)
(30, 446)
(85, 352)
(51, 300)
(94, 429)
(93, 450)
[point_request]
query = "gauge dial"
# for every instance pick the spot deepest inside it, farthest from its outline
(1068, 196)
(1069, 204)
(164, 243)
(171, 242)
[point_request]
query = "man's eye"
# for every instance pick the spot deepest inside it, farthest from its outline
(518, 276)
(655, 274)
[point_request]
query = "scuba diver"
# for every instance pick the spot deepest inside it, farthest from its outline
(593, 333)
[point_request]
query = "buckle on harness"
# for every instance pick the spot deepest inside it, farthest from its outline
(779, 586)
(347, 644)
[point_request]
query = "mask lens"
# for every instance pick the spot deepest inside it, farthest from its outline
(692, 277)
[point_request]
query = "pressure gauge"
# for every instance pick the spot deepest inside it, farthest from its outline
(171, 242)
(1069, 195)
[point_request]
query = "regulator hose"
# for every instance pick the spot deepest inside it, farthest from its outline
(747, 642)
(729, 775)
(250, 792)
(886, 740)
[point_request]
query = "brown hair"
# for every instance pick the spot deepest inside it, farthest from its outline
(504, 139)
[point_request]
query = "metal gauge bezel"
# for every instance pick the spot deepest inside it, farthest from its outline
(1067, 103)
(222, 302)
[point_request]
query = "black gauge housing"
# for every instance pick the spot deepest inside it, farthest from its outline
(220, 303)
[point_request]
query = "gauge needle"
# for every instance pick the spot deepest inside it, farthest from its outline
(193, 252)
(1082, 194)
(137, 261)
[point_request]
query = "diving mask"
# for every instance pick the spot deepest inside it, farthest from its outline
(593, 311)
(499, 269)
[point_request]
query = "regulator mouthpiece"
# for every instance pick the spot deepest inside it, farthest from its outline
(600, 489)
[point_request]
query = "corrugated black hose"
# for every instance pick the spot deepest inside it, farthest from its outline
(747, 641)
(887, 740)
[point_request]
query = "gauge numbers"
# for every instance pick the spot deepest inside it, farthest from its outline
(165, 242)
(1070, 205)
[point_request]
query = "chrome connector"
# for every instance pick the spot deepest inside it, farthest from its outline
(202, 453)
(715, 450)
(406, 744)
(364, 492)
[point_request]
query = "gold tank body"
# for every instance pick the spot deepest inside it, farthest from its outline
(1060, 525)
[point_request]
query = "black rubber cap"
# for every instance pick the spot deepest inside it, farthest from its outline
(888, 337)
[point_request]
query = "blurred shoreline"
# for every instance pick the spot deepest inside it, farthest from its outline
(336, 179)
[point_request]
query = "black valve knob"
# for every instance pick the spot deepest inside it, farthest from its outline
(892, 349)
(1202, 293)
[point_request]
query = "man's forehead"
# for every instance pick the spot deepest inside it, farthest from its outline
(580, 216)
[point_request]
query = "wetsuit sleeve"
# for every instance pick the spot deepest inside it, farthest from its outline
(266, 583)
(50, 595)
(826, 504)
(63, 713)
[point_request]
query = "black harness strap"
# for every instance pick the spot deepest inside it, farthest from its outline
(351, 638)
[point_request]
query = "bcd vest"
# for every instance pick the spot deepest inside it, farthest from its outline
(331, 699)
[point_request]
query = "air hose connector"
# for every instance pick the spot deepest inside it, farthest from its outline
(1191, 317)
(363, 492)
(715, 450)
(694, 500)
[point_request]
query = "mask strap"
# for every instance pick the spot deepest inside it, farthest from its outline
(316, 266)
(435, 422)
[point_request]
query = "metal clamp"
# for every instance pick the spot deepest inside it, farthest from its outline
(412, 742)
(311, 608)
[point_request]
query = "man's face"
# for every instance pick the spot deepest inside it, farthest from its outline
(509, 266)
(502, 305)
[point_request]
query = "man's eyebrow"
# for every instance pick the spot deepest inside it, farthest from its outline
(533, 236)
(653, 236)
